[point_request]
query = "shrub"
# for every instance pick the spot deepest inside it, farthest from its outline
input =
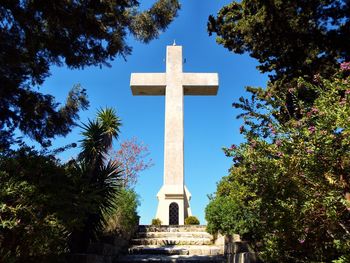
(156, 222)
(34, 198)
(191, 220)
(125, 218)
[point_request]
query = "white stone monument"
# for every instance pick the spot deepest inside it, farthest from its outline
(174, 197)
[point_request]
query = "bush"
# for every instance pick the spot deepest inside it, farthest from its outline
(228, 216)
(191, 220)
(34, 206)
(125, 218)
(156, 222)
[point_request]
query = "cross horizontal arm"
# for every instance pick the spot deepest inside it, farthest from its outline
(200, 83)
(148, 83)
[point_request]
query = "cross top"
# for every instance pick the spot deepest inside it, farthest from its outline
(156, 83)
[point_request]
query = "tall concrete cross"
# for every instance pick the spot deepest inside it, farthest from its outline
(173, 197)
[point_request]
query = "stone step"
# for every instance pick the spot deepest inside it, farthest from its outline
(245, 257)
(207, 250)
(170, 258)
(190, 228)
(173, 234)
(172, 241)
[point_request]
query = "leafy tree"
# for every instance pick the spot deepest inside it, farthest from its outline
(37, 34)
(132, 158)
(290, 39)
(288, 188)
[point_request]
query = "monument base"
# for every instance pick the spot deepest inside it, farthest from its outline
(173, 204)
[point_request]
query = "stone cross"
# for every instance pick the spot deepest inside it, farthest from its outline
(173, 206)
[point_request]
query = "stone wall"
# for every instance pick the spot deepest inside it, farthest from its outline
(238, 251)
(105, 251)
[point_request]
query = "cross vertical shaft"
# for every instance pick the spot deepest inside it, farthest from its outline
(174, 121)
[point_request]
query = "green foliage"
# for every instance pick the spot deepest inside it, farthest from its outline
(36, 209)
(229, 215)
(156, 222)
(290, 38)
(48, 208)
(124, 218)
(146, 26)
(191, 220)
(288, 188)
(36, 35)
(37, 115)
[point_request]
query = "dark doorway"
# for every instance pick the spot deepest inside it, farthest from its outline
(173, 214)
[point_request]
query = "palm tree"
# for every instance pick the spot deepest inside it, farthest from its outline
(101, 178)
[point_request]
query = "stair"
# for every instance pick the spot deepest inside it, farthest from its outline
(173, 244)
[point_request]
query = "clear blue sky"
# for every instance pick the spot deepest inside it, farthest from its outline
(210, 122)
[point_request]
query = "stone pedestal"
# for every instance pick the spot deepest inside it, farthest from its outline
(170, 194)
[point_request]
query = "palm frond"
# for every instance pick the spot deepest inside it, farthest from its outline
(106, 190)
(97, 194)
(93, 148)
(111, 124)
